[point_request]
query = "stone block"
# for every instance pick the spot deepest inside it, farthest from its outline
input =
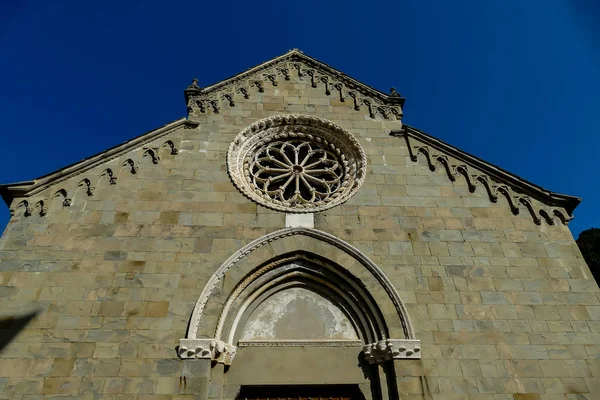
(110, 309)
(63, 367)
(61, 386)
(157, 309)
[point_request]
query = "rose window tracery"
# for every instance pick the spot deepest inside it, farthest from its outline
(296, 163)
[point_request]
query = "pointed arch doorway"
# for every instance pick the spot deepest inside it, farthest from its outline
(298, 307)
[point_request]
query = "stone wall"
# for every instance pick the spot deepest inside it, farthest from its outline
(504, 308)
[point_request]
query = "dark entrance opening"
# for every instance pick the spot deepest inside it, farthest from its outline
(301, 392)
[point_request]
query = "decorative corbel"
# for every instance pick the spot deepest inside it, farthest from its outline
(213, 349)
(284, 71)
(392, 349)
(243, 91)
(369, 105)
(153, 154)
(325, 79)
(311, 73)
(229, 98)
(171, 145)
(339, 87)
(271, 77)
(215, 106)
(88, 184)
(356, 100)
(258, 84)
(129, 163)
(298, 68)
(43, 207)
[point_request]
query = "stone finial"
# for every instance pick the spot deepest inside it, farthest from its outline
(194, 85)
(394, 93)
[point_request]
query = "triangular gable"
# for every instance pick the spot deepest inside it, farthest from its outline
(294, 65)
(496, 181)
(541, 203)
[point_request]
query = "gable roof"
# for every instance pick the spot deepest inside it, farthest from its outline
(320, 75)
(495, 179)
(292, 60)
(11, 191)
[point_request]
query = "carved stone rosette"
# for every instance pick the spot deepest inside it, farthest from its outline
(392, 349)
(296, 163)
(213, 349)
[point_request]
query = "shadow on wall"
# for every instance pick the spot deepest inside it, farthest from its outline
(11, 325)
(589, 244)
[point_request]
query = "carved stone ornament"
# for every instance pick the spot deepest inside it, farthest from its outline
(300, 343)
(213, 349)
(374, 353)
(517, 192)
(392, 349)
(296, 67)
(296, 163)
(126, 158)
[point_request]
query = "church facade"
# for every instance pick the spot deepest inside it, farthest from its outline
(292, 238)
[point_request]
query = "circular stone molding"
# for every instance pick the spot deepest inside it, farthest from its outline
(296, 163)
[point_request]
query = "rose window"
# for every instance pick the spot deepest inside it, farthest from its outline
(297, 172)
(296, 163)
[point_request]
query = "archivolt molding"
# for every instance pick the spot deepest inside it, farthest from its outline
(222, 349)
(312, 233)
(128, 155)
(297, 67)
(494, 186)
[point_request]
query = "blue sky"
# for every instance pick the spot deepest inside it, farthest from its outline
(513, 82)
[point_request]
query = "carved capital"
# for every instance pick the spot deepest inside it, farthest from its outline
(214, 349)
(392, 349)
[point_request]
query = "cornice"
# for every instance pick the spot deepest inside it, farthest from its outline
(374, 353)
(30, 188)
(495, 180)
(301, 343)
(294, 65)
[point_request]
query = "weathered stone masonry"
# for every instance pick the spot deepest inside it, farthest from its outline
(116, 251)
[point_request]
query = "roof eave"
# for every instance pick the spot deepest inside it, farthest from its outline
(10, 191)
(569, 203)
(298, 55)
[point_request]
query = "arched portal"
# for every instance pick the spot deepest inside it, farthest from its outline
(316, 261)
(298, 307)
